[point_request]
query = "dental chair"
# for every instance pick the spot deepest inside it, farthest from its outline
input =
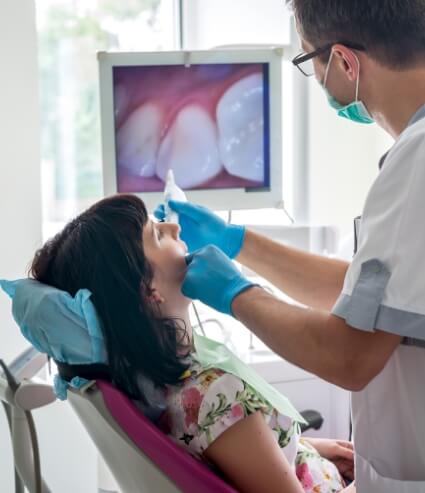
(20, 393)
(140, 456)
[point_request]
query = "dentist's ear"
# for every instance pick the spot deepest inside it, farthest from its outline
(347, 60)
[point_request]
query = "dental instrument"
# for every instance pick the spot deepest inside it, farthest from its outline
(172, 192)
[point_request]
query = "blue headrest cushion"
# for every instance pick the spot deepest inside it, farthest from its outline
(64, 327)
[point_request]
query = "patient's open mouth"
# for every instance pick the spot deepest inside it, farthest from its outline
(175, 116)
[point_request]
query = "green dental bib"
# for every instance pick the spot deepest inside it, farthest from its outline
(212, 354)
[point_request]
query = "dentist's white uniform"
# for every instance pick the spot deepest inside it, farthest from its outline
(385, 290)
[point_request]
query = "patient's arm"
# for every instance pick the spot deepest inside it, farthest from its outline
(249, 455)
(340, 452)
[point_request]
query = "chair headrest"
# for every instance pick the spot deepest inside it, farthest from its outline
(65, 328)
(68, 329)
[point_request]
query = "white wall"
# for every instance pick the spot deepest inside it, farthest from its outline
(20, 202)
(211, 23)
(68, 457)
(344, 160)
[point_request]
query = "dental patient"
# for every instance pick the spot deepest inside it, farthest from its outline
(134, 268)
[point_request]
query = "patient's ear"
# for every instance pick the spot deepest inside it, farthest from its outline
(151, 294)
(155, 296)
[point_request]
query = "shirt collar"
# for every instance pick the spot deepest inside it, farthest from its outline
(382, 160)
(419, 115)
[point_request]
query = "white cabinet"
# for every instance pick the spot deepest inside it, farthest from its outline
(306, 391)
(310, 394)
(332, 403)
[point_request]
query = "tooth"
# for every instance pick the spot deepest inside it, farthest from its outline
(190, 148)
(240, 123)
(121, 100)
(138, 140)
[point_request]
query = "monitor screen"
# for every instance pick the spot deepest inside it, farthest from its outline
(209, 123)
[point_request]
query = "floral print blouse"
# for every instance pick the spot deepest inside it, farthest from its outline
(209, 401)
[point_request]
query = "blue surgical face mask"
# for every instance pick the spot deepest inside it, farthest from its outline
(356, 111)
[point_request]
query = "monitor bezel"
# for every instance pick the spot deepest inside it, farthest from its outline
(216, 199)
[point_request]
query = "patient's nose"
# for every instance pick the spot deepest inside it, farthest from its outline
(175, 230)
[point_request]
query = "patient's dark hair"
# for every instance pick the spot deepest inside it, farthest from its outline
(102, 250)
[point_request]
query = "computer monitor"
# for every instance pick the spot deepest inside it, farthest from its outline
(214, 117)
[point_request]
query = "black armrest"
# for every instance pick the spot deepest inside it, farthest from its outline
(314, 420)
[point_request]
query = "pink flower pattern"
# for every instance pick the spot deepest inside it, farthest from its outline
(304, 476)
(237, 411)
(191, 400)
(181, 421)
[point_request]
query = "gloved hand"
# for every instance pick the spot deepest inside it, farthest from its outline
(212, 278)
(201, 227)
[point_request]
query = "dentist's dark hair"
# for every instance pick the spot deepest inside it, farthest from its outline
(392, 31)
(102, 250)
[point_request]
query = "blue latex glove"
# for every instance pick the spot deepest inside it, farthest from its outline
(201, 227)
(212, 278)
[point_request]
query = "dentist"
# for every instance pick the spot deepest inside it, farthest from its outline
(363, 325)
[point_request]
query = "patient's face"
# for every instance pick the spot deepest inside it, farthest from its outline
(166, 253)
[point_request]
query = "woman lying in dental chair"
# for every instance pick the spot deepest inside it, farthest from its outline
(133, 268)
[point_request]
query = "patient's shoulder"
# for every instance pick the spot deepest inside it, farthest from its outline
(207, 403)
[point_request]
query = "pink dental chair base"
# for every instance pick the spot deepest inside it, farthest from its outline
(141, 458)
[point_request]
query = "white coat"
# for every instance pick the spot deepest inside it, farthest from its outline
(384, 290)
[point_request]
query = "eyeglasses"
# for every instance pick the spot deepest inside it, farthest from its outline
(304, 61)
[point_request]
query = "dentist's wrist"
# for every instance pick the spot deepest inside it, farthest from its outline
(234, 239)
(244, 298)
